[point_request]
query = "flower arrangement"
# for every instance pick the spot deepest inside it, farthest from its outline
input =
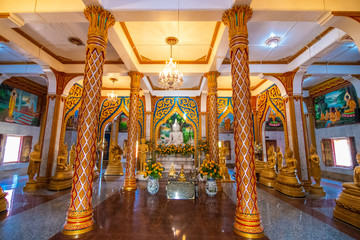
(257, 147)
(154, 170)
(203, 146)
(183, 149)
(210, 168)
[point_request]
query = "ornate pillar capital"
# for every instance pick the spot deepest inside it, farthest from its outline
(287, 79)
(135, 80)
(62, 79)
(212, 80)
(100, 21)
(236, 18)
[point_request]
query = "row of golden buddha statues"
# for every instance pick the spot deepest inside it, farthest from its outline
(286, 179)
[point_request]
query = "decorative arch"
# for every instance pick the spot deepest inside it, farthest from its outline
(73, 101)
(271, 98)
(225, 106)
(110, 110)
(165, 107)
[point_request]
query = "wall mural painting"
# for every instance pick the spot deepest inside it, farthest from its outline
(274, 122)
(337, 108)
(17, 106)
(72, 122)
(225, 115)
(166, 129)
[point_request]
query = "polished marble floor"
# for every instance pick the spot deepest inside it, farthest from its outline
(139, 215)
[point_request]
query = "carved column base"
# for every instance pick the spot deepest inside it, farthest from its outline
(317, 191)
(289, 184)
(3, 201)
(268, 177)
(61, 180)
(347, 206)
(114, 170)
(248, 225)
(130, 184)
(79, 222)
(31, 186)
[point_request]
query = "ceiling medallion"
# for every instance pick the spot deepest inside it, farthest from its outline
(112, 97)
(170, 78)
(273, 40)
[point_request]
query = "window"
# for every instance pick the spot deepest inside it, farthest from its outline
(12, 148)
(338, 152)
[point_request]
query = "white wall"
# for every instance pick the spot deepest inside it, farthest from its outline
(352, 130)
(121, 137)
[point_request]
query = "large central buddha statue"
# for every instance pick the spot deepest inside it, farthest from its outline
(176, 136)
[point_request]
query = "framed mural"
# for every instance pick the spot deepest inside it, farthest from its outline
(227, 124)
(337, 108)
(273, 123)
(17, 106)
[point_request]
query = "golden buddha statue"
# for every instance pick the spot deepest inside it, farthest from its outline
(223, 151)
(72, 156)
(143, 150)
(182, 176)
(279, 158)
(172, 172)
(315, 171)
(268, 175)
(115, 166)
(287, 181)
(64, 172)
(33, 168)
(347, 206)
(3, 201)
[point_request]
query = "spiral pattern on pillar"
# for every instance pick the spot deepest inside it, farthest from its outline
(247, 220)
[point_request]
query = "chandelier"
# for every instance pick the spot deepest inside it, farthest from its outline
(112, 97)
(170, 78)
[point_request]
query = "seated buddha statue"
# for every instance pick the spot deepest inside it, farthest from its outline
(268, 175)
(348, 204)
(182, 176)
(176, 136)
(64, 172)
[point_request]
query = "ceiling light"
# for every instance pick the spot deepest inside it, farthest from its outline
(170, 78)
(76, 41)
(112, 97)
(273, 40)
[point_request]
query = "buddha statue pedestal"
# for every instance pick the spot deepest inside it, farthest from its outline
(317, 190)
(268, 177)
(61, 180)
(3, 201)
(259, 166)
(289, 184)
(347, 206)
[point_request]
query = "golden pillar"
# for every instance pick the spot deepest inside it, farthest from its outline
(213, 129)
(130, 180)
(80, 213)
(247, 219)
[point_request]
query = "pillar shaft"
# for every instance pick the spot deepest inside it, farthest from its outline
(79, 218)
(213, 115)
(130, 180)
(247, 219)
(311, 115)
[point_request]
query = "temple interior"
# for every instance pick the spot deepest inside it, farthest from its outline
(179, 119)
